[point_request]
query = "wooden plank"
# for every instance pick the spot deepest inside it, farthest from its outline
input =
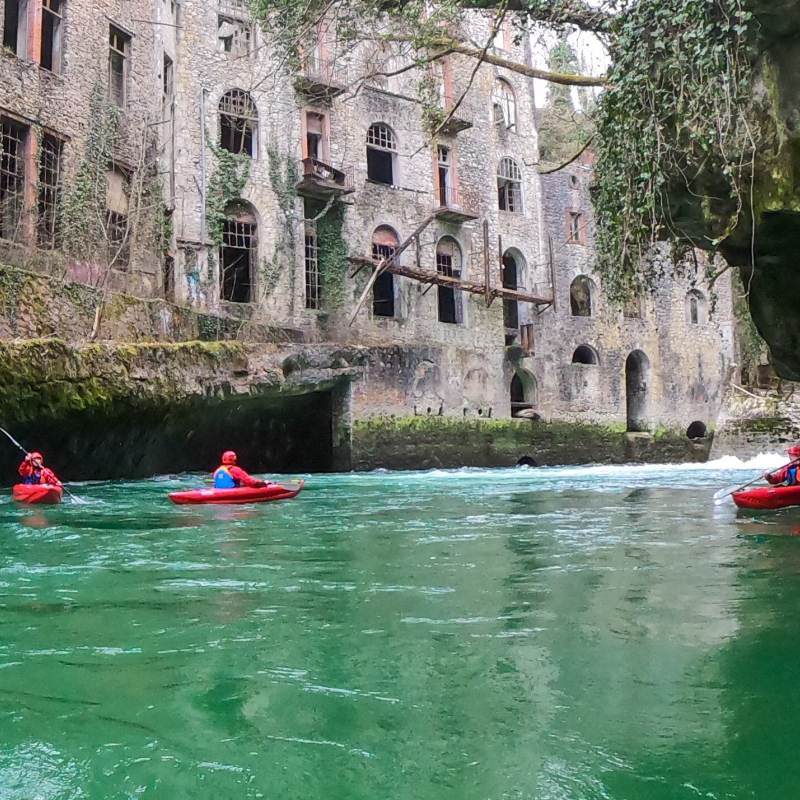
(487, 279)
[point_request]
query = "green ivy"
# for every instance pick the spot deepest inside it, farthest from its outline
(332, 255)
(225, 186)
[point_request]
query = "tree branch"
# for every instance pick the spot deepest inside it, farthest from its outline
(566, 163)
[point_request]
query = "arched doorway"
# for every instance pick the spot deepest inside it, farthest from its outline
(637, 373)
(523, 391)
(384, 243)
(510, 281)
(448, 263)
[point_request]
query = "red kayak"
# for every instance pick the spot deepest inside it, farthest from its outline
(37, 493)
(241, 494)
(767, 497)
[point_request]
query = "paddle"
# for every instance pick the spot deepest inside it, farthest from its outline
(15, 442)
(722, 493)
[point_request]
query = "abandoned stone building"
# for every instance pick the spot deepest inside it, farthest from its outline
(165, 149)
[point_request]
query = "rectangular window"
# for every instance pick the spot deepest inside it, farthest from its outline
(168, 77)
(509, 197)
(235, 33)
(449, 307)
(12, 179)
(313, 284)
(47, 229)
(380, 166)
(316, 140)
(383, 288)
(119, 245)
(50, 56)
(238, 255)
(119, 45)
(575, 229)
(15, 26)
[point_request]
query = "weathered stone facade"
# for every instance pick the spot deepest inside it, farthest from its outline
(260, 236)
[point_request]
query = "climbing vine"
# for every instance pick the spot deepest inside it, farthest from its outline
(225, 186)
(676, 113)
(332, 255)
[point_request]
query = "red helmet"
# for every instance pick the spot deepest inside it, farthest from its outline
(794, 451)
(229, 457)
(36, 457)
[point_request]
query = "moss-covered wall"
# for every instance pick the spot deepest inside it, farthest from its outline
(428, 442)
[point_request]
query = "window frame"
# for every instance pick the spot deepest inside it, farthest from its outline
(124, 54)
(510, 197)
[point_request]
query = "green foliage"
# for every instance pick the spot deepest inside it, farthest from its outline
(753, 349)
(676, 112)
(332, 255)
(225, 186)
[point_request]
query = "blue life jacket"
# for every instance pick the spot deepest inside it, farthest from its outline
(224, 480)
(33, 478)
(791, 477)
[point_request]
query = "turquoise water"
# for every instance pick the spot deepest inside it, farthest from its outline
(561, 633)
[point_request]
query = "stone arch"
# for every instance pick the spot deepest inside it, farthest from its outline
(637, 376)
(449, 262)
(524, 392)
(696, 308)
(238, 253)
(697, 430)
(582, 296)
(385, 241)
(585, 354)
(513, 270)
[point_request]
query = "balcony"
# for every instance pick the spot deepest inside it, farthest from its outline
(459, 120)
(450, 207)
(320, 79)
(322, 181)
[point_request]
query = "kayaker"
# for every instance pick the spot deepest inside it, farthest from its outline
(788, 475)
(34, 471)
(229, 476)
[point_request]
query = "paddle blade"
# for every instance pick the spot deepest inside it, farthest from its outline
(724, 496)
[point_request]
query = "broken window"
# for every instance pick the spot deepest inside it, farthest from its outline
(448, 264)
(384, 244)
(313, 282)
(47, 233)
(381, 150)
(50, 56)
(168, 81)
(510, 281)
(316, 140)
(237, 256)
(695, 308)
(117, 221)
(575, 227)
(581, 292)
(235, 32)
(12, 179)
(15, 26)
(504, 105)
(119, 45)
(238, 119)
(445, 178)
(509, 186)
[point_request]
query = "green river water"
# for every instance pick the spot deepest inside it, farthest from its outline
(476, 635)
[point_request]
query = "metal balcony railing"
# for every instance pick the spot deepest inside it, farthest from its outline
(312, 169)
(323, 72)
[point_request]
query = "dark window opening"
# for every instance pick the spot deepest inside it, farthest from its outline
(380, 167)
(448, 264)
(47, 230)
(15, 17)
(169, 277)
(50, 56)
(383, 288)
(118, 51)
(580, 297)
(694, 314)
(509, 186)
(313, 282)
(12, 179)
(315, 136)
(237, 122)
(697, 430)
(380, 154)
(584, 355)
(237, 255)
(168, 78)
(636, 368)
(510, 281)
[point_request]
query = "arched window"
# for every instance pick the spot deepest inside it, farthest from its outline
(448, 263)
(504, 105)
(509, 186)
(238, 122)
(585, 355)
(384, 243)
(695, 308)
(513, 263)
(581, 297)
(381, 153)
(523, 393)
(238, 254)
(637, 376)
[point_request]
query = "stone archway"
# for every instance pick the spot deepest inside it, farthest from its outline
(637, 374)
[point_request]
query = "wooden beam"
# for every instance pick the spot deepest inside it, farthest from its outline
(487, 278)
(472, 287)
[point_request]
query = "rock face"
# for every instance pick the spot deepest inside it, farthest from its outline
(764, 245)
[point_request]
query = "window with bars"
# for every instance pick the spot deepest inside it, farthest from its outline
(119, 45)
(313, 280)
(49, 191)
(12, 178)
(381, 151)
(509, 186)
(238, 120)
(50, 54)
(119, 245)
(384, 244)
(504, 105)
